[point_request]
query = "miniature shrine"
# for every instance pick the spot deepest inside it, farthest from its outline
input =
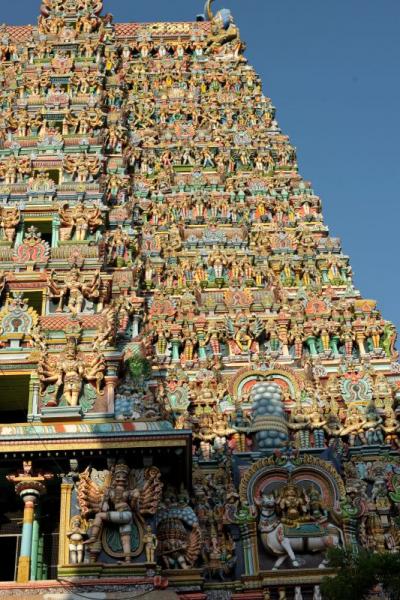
(194, 397)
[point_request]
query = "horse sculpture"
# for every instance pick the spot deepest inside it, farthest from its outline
(283, 540)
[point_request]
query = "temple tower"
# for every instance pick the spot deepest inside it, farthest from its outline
(193, 394)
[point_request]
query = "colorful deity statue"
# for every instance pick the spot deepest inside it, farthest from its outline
(78, 221)
(74, 291)
(178, 531)
(119, 501)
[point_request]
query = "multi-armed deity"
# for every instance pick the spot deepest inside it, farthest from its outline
(119, 498)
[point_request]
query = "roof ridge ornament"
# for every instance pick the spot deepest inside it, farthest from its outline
(70, 8)
(223, 19)
(207, 10)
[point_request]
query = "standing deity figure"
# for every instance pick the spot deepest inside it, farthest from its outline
(70, 376)
(373, 426)
(375, 329)
(150, 544)
(75, 290)
(82, 168)
(124, 499)
(66, 375)
(317, 593)
(241, 424)
(316, 422)
(391, 428)
(76, 539)
(218, 261)
(9, 219)
(118, 244)
(79, 220)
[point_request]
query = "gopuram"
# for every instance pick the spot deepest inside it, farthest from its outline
(195, 401)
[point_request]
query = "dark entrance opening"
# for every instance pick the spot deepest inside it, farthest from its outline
(14, 398)
(9, 557)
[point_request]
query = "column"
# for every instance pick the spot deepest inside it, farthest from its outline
(135, 326)
(175, 342)
(65, 515)
(41, 572)
(30, 498)
(35, 544)
(310, 341)
(248, 534)
(34, 388)
(55, 231)
(111, 382)
(29, 485)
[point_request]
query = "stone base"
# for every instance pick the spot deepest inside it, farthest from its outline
(183, 577)
(61, 413)
(103, 571)
(24, 568)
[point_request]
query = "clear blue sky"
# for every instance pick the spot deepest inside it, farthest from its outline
(332, 70)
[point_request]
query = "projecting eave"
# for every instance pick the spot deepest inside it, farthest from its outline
(98, 437)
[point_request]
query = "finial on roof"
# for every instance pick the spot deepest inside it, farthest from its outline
(208, 11)
(223, 18)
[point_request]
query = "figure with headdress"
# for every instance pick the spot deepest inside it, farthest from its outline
(178, 531)
(76, 537)
(125, 497)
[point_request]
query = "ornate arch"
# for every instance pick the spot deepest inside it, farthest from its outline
(285, 377)
(267, 474)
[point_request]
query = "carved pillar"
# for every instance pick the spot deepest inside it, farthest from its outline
(311, 343)
(29, 486)
(65, 515)
(55, 231)
(248, 532)
(335, 345)
(359, 330)
(30, 498)
(175, 342)
(110, 385)
(283, 324)
(34, 387)
(135, 325)
(360, 339)
(35, 545)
